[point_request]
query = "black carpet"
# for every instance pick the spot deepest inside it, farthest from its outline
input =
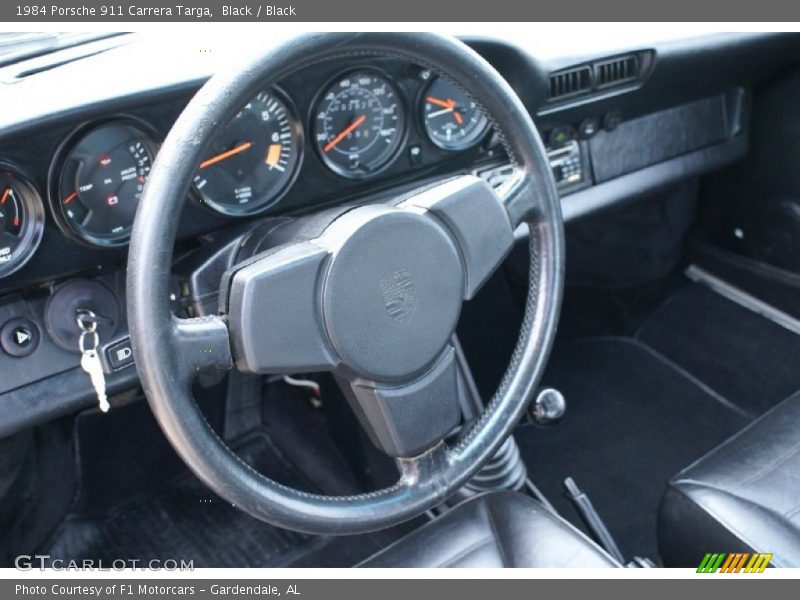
(632, 422)
(749, 360)
(184, 520)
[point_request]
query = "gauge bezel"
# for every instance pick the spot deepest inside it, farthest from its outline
(34, 224)
(460, 146)
(298, 131)
(316, 104)
(151, 140)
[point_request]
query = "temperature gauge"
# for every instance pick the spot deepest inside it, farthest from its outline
(21, 221)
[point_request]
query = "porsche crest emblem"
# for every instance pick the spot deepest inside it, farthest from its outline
(399, 299)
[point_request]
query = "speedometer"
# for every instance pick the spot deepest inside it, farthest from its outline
(359, 124)
(254, 160)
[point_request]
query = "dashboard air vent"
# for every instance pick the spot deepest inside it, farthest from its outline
(570, 82)
(616, 71)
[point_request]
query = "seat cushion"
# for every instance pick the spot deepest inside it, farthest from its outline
(742, 496)
(500, 529)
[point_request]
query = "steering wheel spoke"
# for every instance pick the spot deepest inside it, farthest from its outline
(201, 344)
(273, 312)
(520, 197)
(406, 419)
(478, 220)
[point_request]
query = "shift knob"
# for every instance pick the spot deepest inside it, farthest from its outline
(548, 407)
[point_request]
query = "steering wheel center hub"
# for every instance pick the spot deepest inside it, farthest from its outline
(393, 290)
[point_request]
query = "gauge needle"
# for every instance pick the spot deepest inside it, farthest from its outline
(448, 105)
(3, 199)
(439, 113)
(227, 154)
(349, 129)
(71, 197)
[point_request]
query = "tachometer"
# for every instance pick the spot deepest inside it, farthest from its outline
(452, 120)
(254, 160)
(21, 221)
(359, 124)
(101, 180)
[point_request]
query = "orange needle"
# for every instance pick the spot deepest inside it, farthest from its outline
(71, 197)
(443, 103)
(227, 154)
(448, 104)
(332, 144)
(5, 195)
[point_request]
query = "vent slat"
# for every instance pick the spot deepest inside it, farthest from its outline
(616, 71)
(596, 76)
(570, 82)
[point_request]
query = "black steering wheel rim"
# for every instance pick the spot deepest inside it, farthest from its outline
(166, 348)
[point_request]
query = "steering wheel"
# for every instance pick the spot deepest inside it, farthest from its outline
(371, 294)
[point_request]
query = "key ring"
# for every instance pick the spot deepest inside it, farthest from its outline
(80, 319)
(82, 341)
(87, 330)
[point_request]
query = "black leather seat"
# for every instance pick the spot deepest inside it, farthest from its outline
(744, 496)
(501, 529)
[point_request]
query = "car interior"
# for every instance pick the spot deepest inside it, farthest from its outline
(399, 300)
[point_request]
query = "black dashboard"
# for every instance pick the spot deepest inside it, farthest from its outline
(77, 142)
(287, 152)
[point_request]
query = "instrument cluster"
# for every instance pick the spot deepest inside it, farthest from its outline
(355, 126)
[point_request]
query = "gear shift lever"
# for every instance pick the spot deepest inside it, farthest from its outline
(548, 407)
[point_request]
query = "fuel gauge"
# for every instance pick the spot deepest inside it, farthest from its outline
(21, 221)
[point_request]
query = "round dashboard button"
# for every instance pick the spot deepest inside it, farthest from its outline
(19, 337)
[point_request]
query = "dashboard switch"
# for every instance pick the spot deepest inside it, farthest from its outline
(589, 127)
(415, 154)
(612, 120)
(19, 337)
(561, 135)
(120, 355)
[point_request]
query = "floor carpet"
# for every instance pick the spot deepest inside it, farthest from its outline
(749, 360)
(633, 420)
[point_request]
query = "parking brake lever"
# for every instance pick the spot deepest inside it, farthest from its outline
(588, 514)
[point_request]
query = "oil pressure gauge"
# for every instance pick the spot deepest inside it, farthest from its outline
(101, 180)
(21, 221)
